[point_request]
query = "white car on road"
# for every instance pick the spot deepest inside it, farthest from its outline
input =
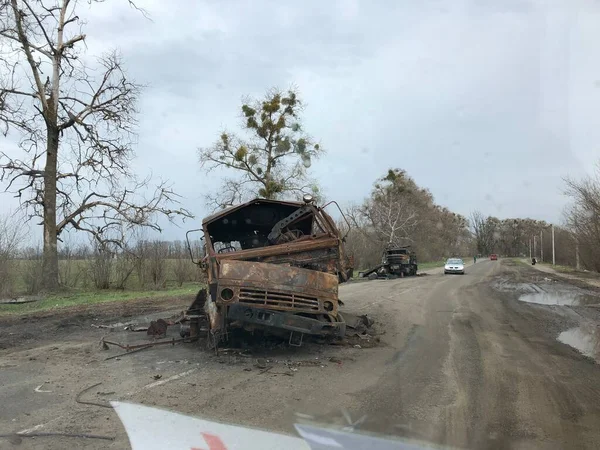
(454, 265)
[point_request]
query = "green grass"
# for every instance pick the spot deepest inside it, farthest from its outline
(70, 299)
(559, 268)
(516, 260)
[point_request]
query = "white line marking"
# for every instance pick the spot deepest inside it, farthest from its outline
(39, 388)
(37, 427)
(166, 380)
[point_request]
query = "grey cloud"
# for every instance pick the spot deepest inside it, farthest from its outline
(488, 104)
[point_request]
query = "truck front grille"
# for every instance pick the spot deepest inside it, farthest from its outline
(278, 299)
(398, 259)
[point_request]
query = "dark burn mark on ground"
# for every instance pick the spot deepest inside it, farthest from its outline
(411, 337)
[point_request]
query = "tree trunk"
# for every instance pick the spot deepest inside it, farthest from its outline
(50, 256)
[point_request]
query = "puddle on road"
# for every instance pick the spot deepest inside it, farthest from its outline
(585, 339)
(561, 298)
(549, 293)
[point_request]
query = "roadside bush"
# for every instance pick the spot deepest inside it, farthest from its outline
(124, 266)
(156, 267)
(31, 270)
(100, 268)
(182, 266)
(11, 236)
(182, 269)
(71, 271)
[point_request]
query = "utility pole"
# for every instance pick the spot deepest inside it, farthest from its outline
(553, 254)
(577, 255)
(534, 246)
(541, 245)
(529, 248)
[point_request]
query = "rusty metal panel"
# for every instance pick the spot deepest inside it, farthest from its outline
(278, 277)
(282, 249)
(225, 212)
(268, 298)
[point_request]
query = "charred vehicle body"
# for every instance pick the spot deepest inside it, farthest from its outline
(273, 266)
(395, 261)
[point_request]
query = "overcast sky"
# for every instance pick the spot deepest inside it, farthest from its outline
(487, 103)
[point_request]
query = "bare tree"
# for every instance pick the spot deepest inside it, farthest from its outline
(272, 162)
(100, 267)
(157, 264)
(583, 217)
(399, 212)
(76, 121)
(11, 237)
(182, 266)
(486, 232)
(389, 214)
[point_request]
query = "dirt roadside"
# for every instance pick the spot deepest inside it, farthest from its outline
(579, 278)
(462, 362)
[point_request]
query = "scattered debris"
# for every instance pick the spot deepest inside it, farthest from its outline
(118, 357)
(132, 328)
(157, 377)
(129, 348)
(102, 326)
(16, 438)
(357, 325)
(157, 328)
(261, 363)
(78, 397)
(18, 300)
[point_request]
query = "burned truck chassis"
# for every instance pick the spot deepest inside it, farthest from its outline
(277, 271)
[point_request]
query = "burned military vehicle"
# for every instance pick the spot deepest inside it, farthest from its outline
(395, 261)
(273, 266)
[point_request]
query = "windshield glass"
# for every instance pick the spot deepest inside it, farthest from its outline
(454, 261)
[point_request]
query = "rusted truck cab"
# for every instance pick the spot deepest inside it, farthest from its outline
(275, 266)
(400, 261)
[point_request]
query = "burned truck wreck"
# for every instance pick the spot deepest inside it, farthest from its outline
(273, 266)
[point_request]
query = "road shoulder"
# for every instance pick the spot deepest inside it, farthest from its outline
(567, 277)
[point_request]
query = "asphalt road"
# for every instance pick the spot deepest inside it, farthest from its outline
(461, 363)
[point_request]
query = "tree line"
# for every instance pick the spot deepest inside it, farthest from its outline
(398, 212)
(141, 265)
(576, 237)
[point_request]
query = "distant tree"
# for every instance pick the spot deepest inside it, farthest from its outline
(583, 217)
(272, 160)
(486, 232)
(390, 210)
(399, 212)
(76, 121)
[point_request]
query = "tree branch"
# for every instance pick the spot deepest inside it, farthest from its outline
(27, 49)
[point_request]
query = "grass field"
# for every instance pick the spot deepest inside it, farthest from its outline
(78, 275)
(78, 298)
